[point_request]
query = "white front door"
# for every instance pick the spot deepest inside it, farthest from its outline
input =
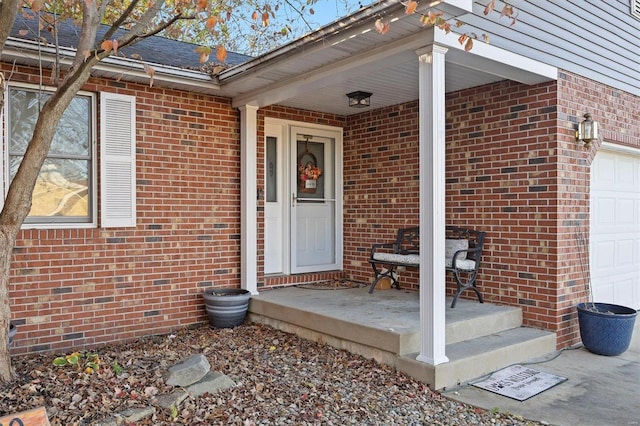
(615, 227)
(303, 214)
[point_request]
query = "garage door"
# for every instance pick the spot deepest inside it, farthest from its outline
(615, 227)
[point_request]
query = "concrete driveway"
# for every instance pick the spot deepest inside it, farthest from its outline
(600, 390)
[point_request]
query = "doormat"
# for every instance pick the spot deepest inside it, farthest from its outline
(330, 285)
(519, 383)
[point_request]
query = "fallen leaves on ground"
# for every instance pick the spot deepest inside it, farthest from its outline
(280, 379)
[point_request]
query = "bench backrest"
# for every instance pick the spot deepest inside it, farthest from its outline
(475, 238)
(408, 241)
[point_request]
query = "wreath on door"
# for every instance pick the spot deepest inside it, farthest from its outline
(308, 171)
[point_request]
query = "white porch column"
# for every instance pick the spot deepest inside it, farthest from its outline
(432, 213)
(248, 195)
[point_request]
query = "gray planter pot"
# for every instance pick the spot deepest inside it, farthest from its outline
(13, 329)
(227, 307)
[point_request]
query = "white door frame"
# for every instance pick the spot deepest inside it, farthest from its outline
(275, 213)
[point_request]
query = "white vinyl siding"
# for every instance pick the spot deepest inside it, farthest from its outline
(597, 39)
(117, 160)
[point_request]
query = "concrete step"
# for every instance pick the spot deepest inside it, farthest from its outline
(476, 321)
(480, 319)
(474, 358)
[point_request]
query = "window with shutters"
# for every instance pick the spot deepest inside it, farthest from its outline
(635, 8)
(66, 193)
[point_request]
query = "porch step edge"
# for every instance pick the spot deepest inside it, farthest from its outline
(496, 319)
(471, 359)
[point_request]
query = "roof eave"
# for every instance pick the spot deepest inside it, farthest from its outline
(27, 52)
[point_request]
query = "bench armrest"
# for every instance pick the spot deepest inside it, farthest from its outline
(386, 246)
(468, 251)
(469, 262)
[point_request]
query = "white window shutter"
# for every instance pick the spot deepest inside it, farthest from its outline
(635, 8)
(117, 160)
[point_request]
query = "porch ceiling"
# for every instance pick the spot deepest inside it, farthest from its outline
(317, 72)
(392, 84)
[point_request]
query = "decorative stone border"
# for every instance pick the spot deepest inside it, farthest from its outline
(194, 377)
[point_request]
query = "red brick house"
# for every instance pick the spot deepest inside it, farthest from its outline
(483, 139)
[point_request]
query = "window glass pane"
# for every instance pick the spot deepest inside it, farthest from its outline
(62, 188)
(310, 169)
(62, 191)
(73, 132)
(24, 106)
(272, 170)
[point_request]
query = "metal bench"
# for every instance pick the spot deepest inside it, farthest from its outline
(463, 253)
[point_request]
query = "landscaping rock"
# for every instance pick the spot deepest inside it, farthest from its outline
(189, 371)
(135, 414)
(211, 383)
(130, 415)
(171, 399)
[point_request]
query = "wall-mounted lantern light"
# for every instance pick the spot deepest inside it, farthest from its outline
(359, 99)
(587, 130)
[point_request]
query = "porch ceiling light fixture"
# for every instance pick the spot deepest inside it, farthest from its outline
(587, 130)
(359, 99)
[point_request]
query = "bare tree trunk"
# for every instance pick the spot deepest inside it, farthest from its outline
(18, 201)
(19, 197)
(8, 11)
(6, 248)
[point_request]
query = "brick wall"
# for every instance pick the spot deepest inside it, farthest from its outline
(72, 288)
(381, 186)
(514, 170)
(502, 177)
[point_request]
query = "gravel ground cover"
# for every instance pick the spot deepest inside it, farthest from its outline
(280, 378)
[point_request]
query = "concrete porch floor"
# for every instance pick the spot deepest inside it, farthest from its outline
(384, 326)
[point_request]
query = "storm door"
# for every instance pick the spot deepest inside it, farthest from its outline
(303, 212)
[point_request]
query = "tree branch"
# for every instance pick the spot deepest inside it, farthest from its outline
(88, 31)
(299, 13)
(116, 25)
(8, 12)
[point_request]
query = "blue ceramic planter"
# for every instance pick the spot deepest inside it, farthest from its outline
(607, 329)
